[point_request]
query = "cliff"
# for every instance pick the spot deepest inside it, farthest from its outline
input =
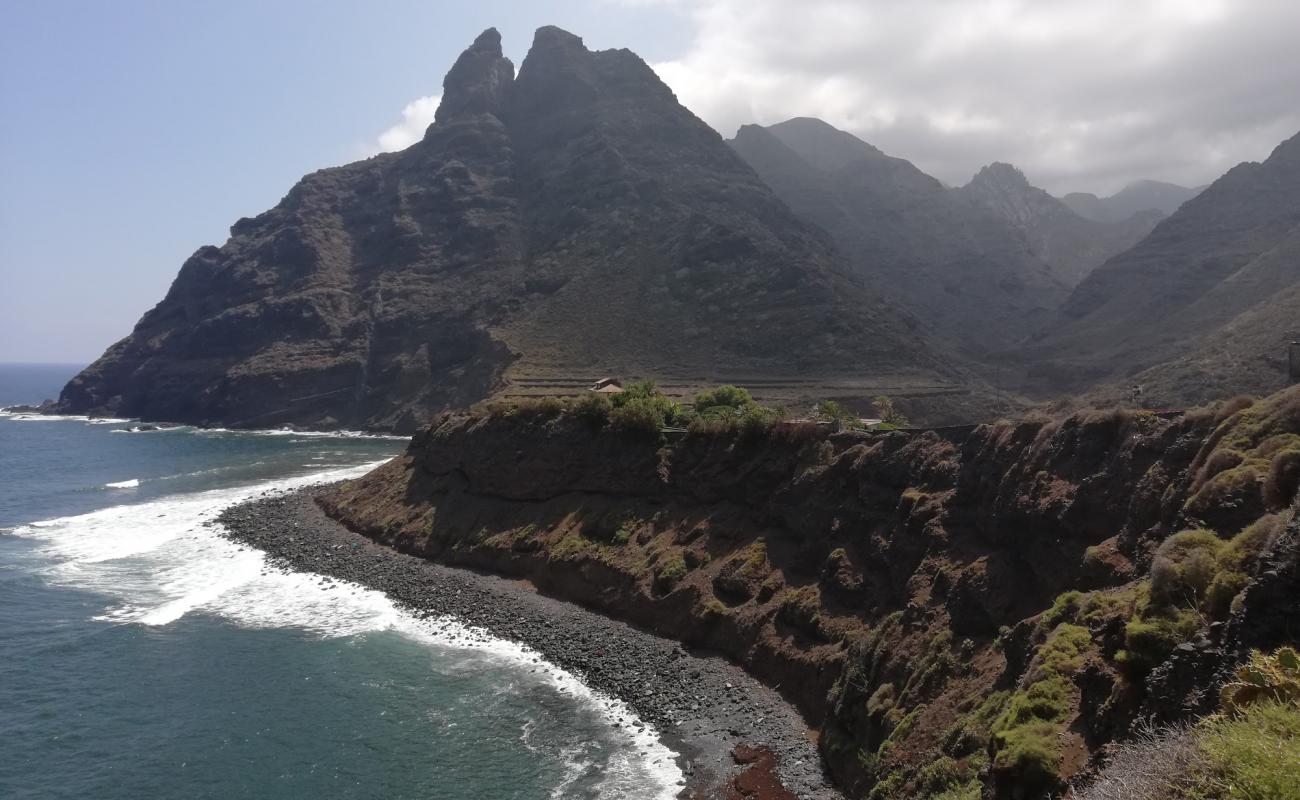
(570, 222)
(974, 609)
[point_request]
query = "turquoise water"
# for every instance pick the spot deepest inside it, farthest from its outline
(146, 657)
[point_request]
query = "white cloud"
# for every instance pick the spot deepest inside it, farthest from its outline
(416, 116)
(1081, 94)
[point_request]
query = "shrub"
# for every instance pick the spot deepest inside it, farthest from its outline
(671, 568)
(629, 526)
(1283, 481)
(725, 398)
(644, 415)
(829, 409)
(594, 408)
(1154, 764)
(1184, 567)
(758, 421)
(882, 700)
(1032, 753)
(886, 410)
(1148, 642)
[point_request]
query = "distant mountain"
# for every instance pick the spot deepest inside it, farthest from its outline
(1071, 244)
(961, 270)
(1204, 305)
(571, 222)
(1136, 198)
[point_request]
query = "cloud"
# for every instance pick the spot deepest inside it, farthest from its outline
(1081, 94)
(416, 116)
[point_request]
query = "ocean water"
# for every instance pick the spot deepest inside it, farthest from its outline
(143, 656)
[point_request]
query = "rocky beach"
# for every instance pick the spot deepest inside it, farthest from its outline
(735, 737)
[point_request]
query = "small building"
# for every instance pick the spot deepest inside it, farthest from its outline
(607, 386)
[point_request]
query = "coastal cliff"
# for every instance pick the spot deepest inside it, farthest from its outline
(974, 610)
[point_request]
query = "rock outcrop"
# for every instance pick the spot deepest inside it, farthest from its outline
(965, 610)
(574, 220)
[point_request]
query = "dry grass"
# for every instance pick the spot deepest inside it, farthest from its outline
(1152, 765)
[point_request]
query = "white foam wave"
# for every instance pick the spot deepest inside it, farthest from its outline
(21, 417)
(341, 434)
(160, 560)
(131, 484)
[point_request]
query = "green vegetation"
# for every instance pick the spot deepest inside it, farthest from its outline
(594, 408)
(642, 409)
(886, 411)
(1274, 678)
(1196, 577)
(1025, 735)
(724, 399)
(1250, 751)
(1254, 755)
(671, 568)
(624, 533)
(831, 410)
(1255, 453)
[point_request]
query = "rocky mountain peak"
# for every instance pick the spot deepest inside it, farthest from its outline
(1004, 189)
(479, 82)
(1003, 175)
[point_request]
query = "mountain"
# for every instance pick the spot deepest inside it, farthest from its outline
(570, 222)
(1068, 242)
(961, 270)
(1206, 304)
(1136, 198)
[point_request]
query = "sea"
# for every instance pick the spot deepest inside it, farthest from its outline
(144, 656)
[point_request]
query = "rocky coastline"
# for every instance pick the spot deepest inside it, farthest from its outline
(735, 737)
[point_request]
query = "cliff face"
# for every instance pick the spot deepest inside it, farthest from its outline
(917, 595)
(573, 221)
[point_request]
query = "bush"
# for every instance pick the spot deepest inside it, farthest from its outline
(886, 411)
(640, 415)
(1148, 642)
(1184, 567)
(829, 409)
(594, 408)
(540, 407)
(758, 421)
(671, 569)
(724, 398)
(1283, 479)
(1031, 752)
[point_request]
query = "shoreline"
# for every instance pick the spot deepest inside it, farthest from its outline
(708, 711)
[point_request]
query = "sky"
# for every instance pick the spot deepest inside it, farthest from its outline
(134, 132)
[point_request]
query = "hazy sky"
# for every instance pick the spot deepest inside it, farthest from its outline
(133, 132)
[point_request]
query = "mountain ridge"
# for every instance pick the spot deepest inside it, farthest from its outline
(572, 218)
